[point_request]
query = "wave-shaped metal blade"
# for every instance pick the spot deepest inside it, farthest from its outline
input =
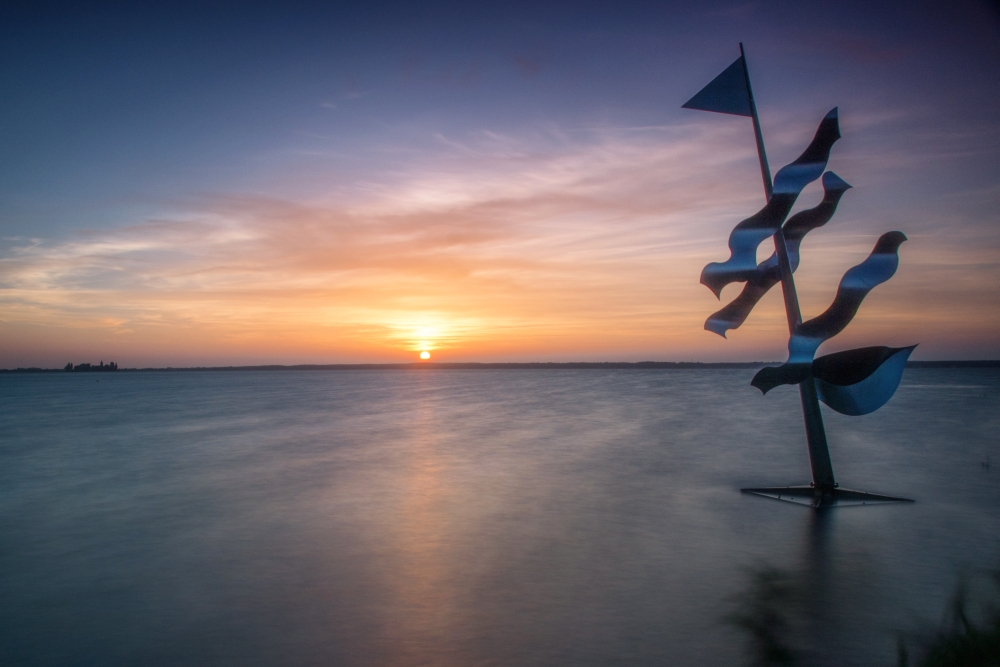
(788, 183)
(880, 265)
(768, 274)
(858, 382)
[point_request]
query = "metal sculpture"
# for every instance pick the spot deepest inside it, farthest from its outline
(854, 382)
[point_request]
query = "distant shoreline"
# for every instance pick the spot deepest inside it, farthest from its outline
(573, 365)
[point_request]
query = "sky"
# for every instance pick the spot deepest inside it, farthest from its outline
(254, 183)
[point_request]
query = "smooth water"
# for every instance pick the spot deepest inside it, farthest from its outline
(471, 517)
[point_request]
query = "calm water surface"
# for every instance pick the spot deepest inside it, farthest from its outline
(487, 517)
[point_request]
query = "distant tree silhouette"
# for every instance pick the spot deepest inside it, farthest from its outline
(89, 368)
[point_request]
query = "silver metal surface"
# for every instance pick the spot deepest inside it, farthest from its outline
(854, 383)
(811, 496)
(859, 280)
(765, 170)
(859, 382)
(788, 183)
(768, 272)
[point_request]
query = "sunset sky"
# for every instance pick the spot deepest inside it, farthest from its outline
(250, 183)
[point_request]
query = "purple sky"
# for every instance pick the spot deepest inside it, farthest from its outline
(283, 184)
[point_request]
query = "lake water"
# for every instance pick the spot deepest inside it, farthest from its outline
(472, 517)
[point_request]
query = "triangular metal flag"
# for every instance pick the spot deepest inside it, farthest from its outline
(727, 93)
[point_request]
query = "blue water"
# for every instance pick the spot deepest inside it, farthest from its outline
(484, 517)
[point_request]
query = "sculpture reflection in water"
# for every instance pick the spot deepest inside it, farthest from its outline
(819, 612)
(854, 382)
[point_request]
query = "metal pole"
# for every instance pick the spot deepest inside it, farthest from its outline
(819, 450)
(765, 171)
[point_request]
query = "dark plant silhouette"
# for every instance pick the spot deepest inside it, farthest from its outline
(772, 605)
(763, 612)
(960, 642)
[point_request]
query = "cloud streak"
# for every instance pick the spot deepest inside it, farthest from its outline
(562, 245)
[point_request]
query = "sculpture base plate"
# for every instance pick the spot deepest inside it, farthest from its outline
(813, 497)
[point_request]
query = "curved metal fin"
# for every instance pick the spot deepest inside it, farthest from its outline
(767, 274)
(858, 382)
(880, 265)
(788, 183)
(770, 377)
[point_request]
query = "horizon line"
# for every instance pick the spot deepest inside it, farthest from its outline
(535, 365)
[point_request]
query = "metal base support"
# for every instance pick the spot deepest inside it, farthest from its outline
(812, 496)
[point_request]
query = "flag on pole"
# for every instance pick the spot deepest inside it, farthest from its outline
(727, 93)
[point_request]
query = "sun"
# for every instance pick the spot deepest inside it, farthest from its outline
(425, 355)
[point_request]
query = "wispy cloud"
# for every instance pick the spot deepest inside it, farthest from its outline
(568, 244)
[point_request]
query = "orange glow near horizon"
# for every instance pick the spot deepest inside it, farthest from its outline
(586, 254)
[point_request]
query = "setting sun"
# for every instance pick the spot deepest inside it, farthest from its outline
(425, 355)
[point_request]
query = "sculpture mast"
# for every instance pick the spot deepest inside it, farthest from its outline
(819, 451)
(853, 382)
